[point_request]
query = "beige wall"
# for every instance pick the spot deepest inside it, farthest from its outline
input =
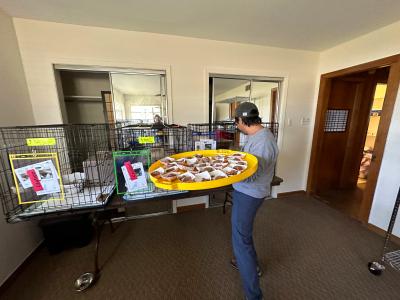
(187, 61)
(17, 240)
(378, 44)
(14, 92)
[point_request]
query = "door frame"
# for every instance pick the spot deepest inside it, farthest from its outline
(390, 98)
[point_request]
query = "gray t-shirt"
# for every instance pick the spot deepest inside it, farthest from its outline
(262, 144)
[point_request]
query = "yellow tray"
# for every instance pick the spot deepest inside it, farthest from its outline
(252, 165)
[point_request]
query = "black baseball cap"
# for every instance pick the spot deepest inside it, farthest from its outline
(246, 109)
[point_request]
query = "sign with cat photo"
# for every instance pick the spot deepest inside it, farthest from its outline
(36, 177)
(130, 170)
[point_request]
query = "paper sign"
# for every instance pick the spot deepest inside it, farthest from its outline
(138, 161)
(41, 142)
(146, 140)
(140, 183)
(131, 172)
(43, 174)
(43, 177)
(35, 181)
(205, 145)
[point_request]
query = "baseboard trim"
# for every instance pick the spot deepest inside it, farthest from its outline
(382, 232)
(293, 193)
(18, 270)
(181, 209)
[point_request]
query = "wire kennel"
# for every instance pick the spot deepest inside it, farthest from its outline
(147, 144)
(162, 141)
(54, 168)
(225, 134)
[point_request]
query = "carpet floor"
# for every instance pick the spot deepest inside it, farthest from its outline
(307, 249)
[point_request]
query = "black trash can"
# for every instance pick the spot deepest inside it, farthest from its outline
(62, 233)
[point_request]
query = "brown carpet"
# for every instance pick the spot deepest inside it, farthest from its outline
(308, 251)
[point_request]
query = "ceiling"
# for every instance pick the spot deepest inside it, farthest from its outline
(222, 85)
(301, 24)
(225, 90)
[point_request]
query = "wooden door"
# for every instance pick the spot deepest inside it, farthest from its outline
(335, 134)
(108, 107)
(359, 126)
(274, 106)
(232, 109)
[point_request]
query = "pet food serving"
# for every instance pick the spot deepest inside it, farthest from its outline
(197, 168)
(203, 169)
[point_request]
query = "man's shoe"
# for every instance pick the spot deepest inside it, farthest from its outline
(234, 265)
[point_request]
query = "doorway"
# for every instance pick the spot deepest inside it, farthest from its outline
(354, 109)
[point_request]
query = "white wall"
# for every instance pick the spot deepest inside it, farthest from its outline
(119, 102)
(221, 111)
(375, 45)
(17, 240)
(187, 59)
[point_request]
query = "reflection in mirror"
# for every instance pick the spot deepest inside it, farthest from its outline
(264, 95)
(229, 93)
(139, 98)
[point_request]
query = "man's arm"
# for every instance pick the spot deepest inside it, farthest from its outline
(264, 155)
(260, 170)
(259, 152)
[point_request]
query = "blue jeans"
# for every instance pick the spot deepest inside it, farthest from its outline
(244, 211)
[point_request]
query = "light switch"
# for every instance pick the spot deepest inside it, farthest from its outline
(289, 122)
(305, 121)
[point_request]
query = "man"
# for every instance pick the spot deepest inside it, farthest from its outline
(248, 195)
